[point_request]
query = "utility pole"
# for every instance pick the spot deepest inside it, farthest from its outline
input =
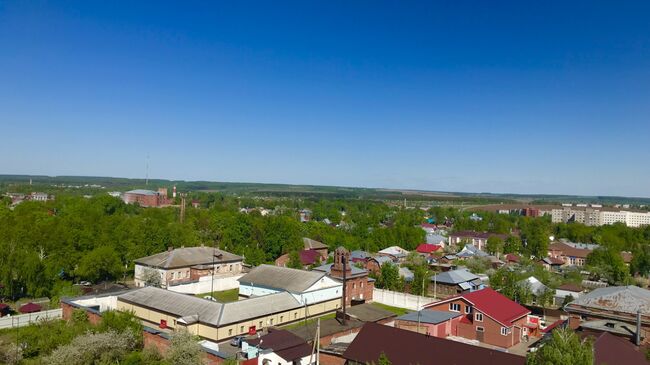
(183, 207)
(315, 349)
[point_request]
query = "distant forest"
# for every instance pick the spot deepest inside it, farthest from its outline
(13, 183)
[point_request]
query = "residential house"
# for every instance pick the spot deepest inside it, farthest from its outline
(317, 246)
(454, 282)
(512, 258)
(478, 239)
(307, 258)
(306, 286)
(305, 215)
(403, 347)
(573, 254)
(430, 322)
(359, 256)
(359, 286)
(396, 253)
(537, 288)
(568, 290)
(279, 347)
(619, 303)
(406, 274)
(178, 266)
(427, 249)
(374, 264)
(488, 317)
(552, 263)
(471, 251)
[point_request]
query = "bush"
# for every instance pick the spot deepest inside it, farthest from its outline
(103, 348)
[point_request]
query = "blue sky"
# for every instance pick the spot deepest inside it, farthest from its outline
(524, 97)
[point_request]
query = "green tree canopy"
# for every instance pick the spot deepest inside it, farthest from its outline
(564, 347)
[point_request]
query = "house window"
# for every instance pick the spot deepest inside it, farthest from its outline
(468, 309)
(271, 321)
(241, 329)
(281, 319)
(479, 317)
(454, 307)
(230, 268)
(230, 332)
(480, 329)
(295, 315)
(504, 331)
(260, 326)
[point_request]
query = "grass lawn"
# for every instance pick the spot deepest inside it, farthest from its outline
(224, 296)
(309, 321)
(396, 310)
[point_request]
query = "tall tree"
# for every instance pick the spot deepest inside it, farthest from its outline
(564, 347)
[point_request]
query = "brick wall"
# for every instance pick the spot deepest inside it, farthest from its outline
(467, 328)
(67, 310)
(327, 359)
(155, 341)
(357, 288)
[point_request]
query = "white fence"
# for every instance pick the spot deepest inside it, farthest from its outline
(25, 319)
(401, 300)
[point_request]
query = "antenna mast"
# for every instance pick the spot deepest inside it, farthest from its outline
(146, 172)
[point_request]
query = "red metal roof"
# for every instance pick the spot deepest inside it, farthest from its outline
(427, 248)
(512, 257)
(308, 257)
(30, 308)
(496, 305)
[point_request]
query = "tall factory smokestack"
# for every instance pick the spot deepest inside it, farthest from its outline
(174, 192)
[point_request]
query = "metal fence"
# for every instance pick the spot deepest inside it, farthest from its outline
(29, 318)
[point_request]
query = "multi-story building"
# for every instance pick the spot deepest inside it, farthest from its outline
(146, 198)
(596, 215)
(185, 265)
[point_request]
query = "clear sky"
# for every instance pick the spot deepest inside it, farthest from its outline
(520, 96)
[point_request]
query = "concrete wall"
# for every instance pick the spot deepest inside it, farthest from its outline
(26, 319)
(204, 285)
(401, 300)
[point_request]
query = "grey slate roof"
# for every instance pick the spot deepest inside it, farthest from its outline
(454, 277)
(627, 299)
(327, 268)
(470, 250)
(188, 256)
(193, 309)
(181, 305)
(429, 316)
(257, 307)
(536, 286)
(358, 254)
(291, 280)
(313, 244)
(381, 260)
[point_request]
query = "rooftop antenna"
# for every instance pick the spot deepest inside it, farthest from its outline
(146, 172)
